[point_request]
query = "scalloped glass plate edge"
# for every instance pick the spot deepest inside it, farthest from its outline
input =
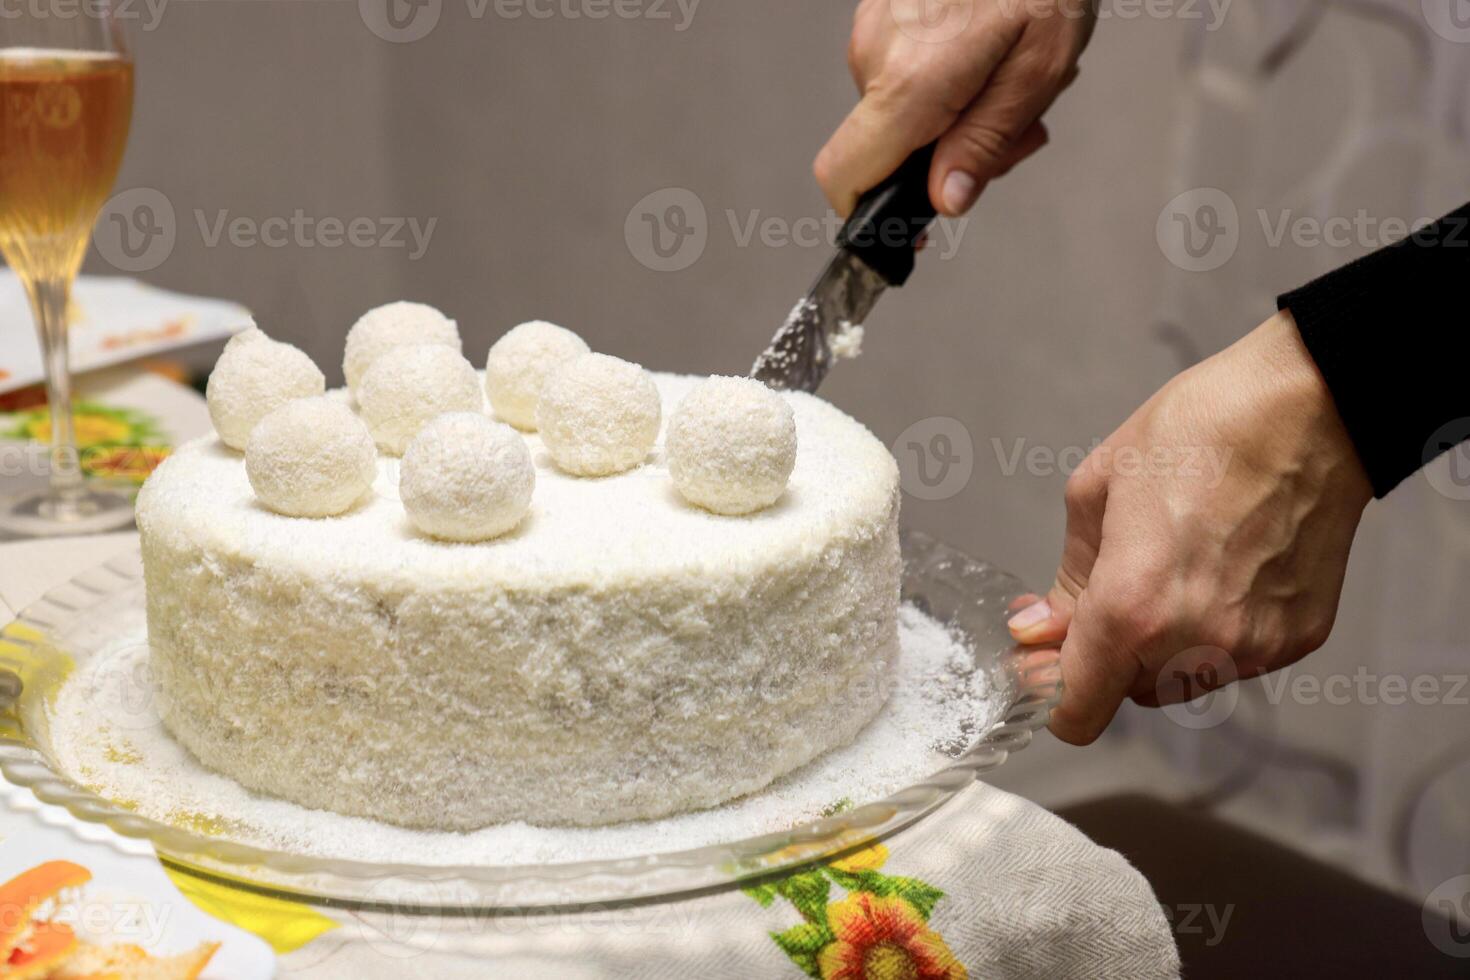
(946, 582)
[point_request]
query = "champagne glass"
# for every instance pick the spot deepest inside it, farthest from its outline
(66, 99)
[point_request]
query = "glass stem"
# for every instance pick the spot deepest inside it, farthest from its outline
(50, 300)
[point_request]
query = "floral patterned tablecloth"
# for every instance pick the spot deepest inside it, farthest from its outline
(127, 421)
(991, 886)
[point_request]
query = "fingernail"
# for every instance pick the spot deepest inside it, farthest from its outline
(1029, 617)
(1022, 601)
(959, 191)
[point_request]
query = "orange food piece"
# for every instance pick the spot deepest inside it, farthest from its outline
(44, 948)
(26, 892)
(32, 950)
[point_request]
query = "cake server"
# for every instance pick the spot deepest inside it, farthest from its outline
(875, 250)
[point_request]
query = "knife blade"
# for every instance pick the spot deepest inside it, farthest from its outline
(875, 250)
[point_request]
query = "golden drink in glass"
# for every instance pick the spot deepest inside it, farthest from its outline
(63, 125)
(64, 116)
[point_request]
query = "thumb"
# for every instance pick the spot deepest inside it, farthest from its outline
(997, 131)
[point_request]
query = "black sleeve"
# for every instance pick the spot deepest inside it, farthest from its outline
(1389, 335)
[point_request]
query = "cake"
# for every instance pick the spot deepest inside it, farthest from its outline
(619, 654)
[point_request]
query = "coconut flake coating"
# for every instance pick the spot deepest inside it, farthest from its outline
(310, 458)
(599, 415)
(383, 328)
(401, 393)
(620, 655)
(732, 444)
(254, 376)
(519, 364)
(466, 478)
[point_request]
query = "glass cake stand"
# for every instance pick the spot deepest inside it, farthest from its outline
(58, 634)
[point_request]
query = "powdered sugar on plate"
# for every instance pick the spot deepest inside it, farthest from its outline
(105, 735)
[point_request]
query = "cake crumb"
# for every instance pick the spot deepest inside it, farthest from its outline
(847, 342)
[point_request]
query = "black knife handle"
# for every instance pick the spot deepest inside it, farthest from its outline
(888, 220)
